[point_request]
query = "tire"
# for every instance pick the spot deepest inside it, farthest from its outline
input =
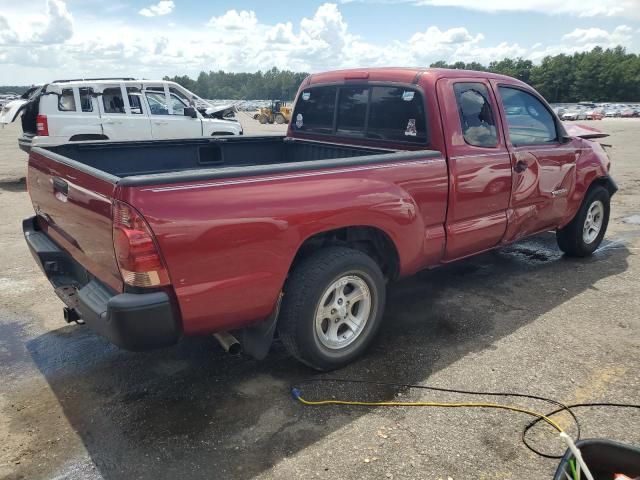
(300, 324)
(573, 239)
(263, 119)
(280, 119)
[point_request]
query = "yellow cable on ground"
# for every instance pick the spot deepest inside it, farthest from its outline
(298, 396)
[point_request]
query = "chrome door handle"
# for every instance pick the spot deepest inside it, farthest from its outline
(160, 122)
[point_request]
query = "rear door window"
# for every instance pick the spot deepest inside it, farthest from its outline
(86, 95)
(66, 101)
(476, 117)
(135, 102)
(397, 114)
(315, 110)
(112, 100)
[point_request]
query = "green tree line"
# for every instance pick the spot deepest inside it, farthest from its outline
(13, 89)
(601, 75)
(610, 75)
(272, 84)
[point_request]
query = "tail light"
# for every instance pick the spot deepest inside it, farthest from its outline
(136, 251)
(42, 126)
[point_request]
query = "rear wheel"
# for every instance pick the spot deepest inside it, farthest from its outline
(583, 235)
(280, 119)
(332, 307)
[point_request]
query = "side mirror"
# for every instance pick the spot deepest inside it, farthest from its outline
(190, 112)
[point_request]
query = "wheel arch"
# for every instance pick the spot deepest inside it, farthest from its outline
(371, 240)
(606, 182)
(83, 137)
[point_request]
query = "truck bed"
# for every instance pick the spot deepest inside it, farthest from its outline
(136, 163)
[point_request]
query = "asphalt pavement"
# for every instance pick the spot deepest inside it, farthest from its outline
(522, 319)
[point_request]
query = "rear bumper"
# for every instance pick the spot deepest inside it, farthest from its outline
(24, 142)
(133, 321)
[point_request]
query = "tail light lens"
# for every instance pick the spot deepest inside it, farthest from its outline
(136, 251)
(42, 126)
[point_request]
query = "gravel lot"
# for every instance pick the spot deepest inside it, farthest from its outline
(519, 319)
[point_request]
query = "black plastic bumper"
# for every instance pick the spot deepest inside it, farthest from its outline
(133, 321)
(24, 142)
(611, 185)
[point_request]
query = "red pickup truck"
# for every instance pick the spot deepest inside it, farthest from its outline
(382, 173)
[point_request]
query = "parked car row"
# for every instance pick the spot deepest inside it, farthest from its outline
(590, 111)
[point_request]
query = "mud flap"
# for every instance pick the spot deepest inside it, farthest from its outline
(257, 340)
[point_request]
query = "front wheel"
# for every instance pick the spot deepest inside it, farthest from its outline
(332, 307)
(583, 235)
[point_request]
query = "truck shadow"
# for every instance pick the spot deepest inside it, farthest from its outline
(193, 412)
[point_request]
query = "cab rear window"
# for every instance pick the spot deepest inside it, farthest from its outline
(378, 112)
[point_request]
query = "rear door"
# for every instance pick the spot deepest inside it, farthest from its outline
(167, 116)
(72, 114)
(479, 166)
(123, 115)
(543, 163)
(74, 208)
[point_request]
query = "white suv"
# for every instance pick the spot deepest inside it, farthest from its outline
(115, 110)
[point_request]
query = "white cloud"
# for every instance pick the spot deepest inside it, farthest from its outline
(583, 8)
(281, 33)
(59, 25)
(55, 27)
(234, 20)
(163, 7)
(239, 41)
(585, 39)
(621, 35)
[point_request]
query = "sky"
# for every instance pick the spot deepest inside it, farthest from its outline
(44, 40)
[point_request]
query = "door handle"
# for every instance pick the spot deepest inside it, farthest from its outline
(520, 166)
(160, 122)
(60, 186)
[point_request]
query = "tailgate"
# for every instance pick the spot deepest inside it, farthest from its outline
(73, 206)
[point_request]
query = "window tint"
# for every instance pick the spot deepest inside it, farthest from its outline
(112, 100)
(66, 101)
(352, 110)
(86, 95)
(528, 119)
(397, 114)
(314, 110)
(476, 117)
(135, 101)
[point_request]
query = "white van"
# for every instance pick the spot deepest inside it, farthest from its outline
(114, 110)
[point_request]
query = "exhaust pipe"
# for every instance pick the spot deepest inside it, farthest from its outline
(228, 342)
